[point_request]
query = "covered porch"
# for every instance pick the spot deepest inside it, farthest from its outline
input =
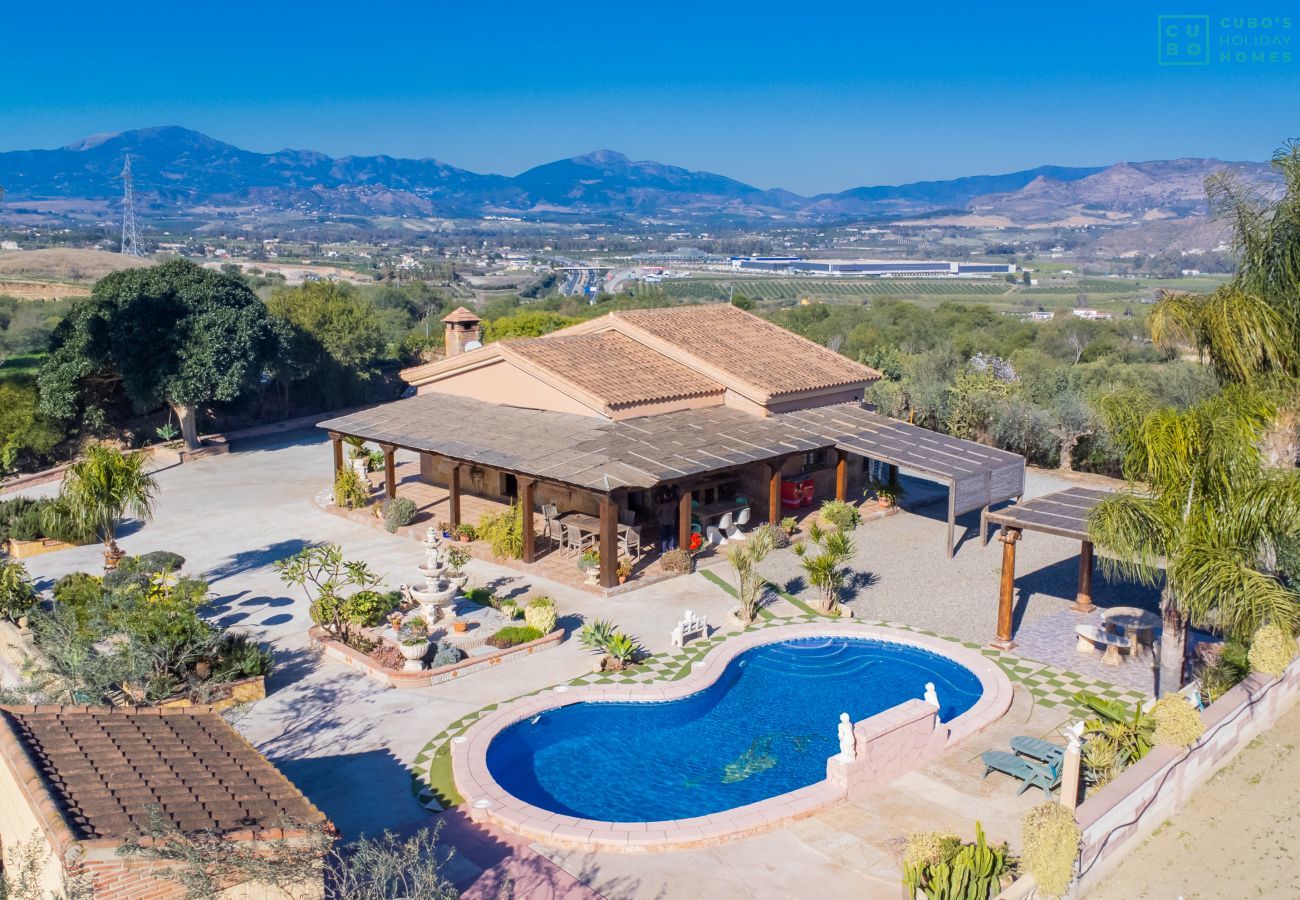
(615, 475)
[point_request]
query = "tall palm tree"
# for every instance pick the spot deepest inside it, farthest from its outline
(1249, 329)
(100, 489)
(1205, 508)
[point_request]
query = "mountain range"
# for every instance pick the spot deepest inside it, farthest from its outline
(182, 172)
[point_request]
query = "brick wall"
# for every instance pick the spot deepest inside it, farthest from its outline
(1124, 812)
(888, 745)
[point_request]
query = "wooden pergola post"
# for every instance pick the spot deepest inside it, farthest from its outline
(337, 441)
(390, 470)
(1083, 599)
(774, 493)
(527, 492)
(1008, 537)
(841, 475)
(453, 498)
(608, 541)
(684, 521)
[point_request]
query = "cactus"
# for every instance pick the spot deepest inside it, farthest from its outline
(971, 872)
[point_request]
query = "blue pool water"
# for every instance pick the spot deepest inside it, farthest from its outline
(764, 728)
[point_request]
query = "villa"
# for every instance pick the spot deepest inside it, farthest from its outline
(599, 425)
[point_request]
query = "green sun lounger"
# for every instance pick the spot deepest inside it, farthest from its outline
(1036, 748)
(1032, 774)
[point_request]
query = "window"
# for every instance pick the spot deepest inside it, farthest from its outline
(813, 459)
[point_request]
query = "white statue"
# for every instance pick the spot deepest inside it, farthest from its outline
(931, 697)
(847, 749)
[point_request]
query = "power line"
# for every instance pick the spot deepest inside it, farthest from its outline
(130, 237)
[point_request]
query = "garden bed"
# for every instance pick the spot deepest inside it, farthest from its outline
(167, 455)
(340, 652)
(224, 696)
(28, 549)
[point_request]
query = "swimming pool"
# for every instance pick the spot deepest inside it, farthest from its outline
(765, 727)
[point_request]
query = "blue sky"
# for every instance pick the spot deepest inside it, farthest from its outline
(810, 97)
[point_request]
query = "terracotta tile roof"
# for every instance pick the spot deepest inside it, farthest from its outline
(748, 348)
(460, 314)
(614, 368)
(103, 768)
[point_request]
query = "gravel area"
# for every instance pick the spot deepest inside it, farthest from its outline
(902, 574)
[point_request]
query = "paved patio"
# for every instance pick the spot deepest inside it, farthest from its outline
(350, 744)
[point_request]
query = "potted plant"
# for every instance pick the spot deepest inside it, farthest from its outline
(465, 532)
(456, 561)
(444, 528)
(624, 570)
(888, 493)
(414, 646)
(395, 621)
(589, 562)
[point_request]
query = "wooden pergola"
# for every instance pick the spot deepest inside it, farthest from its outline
(1064, 514)
(607, 458)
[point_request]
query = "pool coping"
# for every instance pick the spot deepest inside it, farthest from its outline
(489, 803)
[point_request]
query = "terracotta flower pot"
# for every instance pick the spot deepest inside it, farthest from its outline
(460, 627)
(464, 538)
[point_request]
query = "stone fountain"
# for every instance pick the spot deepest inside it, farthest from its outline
(436, 597)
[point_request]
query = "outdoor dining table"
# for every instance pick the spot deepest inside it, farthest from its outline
(710, 512)
(1138, 625)
(587, 524)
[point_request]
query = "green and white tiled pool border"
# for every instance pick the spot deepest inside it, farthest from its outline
(1048, 685)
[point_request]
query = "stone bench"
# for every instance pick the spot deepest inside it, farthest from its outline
(1091, 637)
(691, 626)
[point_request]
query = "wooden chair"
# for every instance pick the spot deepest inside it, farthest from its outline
(575, 541)
(630, 541)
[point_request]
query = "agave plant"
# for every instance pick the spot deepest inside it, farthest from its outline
(622, 647)
(596, 635)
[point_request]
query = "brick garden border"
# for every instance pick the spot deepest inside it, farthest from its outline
(489, 803)
(340, 652)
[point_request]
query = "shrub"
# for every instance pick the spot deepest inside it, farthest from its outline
(1222, 667)
(1050, 839)
(445, 654)
(398, 512)
(540, 614)
(456, 558)
(678, 561)
(350, 492)
(466, 530)
(78, 589)
(510, 609)
(370, 608)
(504, 531)
(1271, 650)
(513, 636)
(1178, 724)
(239, 656)
(789, 524)
(590, 559)
(840, 514)
(157, 561)
(927, 848)
(16, 594)
(779, 537)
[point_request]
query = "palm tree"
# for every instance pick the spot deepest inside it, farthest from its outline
(744, 558)
(99, 490)
(1205, 508)
(827, 570)
(1249, 329)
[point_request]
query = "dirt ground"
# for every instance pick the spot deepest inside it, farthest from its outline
(1235, 839)
(42, 290)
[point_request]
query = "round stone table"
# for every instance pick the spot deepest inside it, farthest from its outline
(1136, 624)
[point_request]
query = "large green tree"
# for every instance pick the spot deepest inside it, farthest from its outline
(1206, 510)
(333, 336)
(174, 334)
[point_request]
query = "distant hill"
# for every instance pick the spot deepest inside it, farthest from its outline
(182, 172)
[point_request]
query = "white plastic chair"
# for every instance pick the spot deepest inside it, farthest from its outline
(714, 536)
(735, 533)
